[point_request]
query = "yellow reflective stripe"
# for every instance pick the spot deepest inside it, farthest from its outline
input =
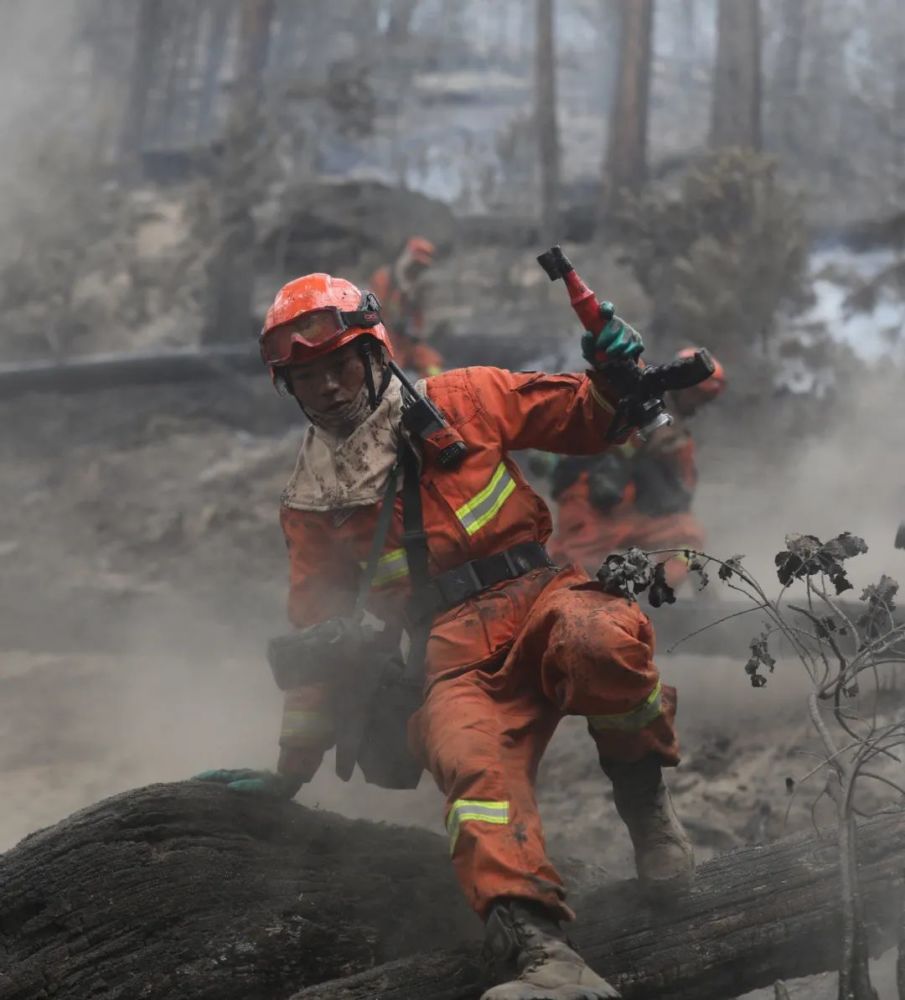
(476, 810)
(306, 725)
(483, 507)
(390, 566)
(637, 718)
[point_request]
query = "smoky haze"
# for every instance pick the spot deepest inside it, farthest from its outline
(168, 164)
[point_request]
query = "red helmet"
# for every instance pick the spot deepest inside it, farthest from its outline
(315, 315)
(712, 386)
(421, 250)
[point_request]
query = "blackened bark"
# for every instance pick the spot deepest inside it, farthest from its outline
(230, 268)
(736, 108)
(189, 890)
(787, 75)
(545, 120)
(626, 160)
(147, 38)
(399, 26)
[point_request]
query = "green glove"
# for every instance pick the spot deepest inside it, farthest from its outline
(617, 341)
(245, 779)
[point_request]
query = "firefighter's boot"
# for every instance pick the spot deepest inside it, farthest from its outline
(664, 857)
(524, 941)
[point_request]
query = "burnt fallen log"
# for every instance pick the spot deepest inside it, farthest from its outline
(90, 372)
(187, 890)
(755, 915)
(190, 891)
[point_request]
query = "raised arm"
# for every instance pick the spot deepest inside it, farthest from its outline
(567, 414)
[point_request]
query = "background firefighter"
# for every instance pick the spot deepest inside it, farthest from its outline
(639, 494)
(401, 291)
(507, 656)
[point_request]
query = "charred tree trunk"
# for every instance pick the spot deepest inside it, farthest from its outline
(399, 26)
(230, 269)
(191, 891)
(689, 44)
(736, 108)
(899, 116)
(219, 18)
(786, 78)
(900, 958)
(626, 160)
(147, 38)
(545, 120)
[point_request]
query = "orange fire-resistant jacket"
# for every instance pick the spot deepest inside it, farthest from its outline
(480, 508)
(506, 665)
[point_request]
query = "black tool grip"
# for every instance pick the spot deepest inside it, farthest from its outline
(555, 263)
(686, 372)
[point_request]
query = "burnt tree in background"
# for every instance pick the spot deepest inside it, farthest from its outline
(399, 26)
(626, 159)
(147, 37)
(735, 112)
(787, 73)
(545, 120)
(219, 18)
(230, 268)
(689, 44)
(898, 122)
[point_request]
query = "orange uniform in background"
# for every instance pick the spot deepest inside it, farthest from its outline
(402, 307)
(639, 495)
(504, 666)
(652, 511)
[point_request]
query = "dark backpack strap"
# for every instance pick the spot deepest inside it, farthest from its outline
(380, 535)
(414, 541)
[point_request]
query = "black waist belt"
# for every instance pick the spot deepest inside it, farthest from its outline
(448, 589)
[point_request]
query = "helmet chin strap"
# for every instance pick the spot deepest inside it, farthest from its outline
(369, 356)
(371, 359)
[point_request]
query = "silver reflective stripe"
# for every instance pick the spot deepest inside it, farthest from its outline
(637, 718)
(483, 507)
(479, 810)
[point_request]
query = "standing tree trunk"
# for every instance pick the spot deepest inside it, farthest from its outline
(788, 69)
(899, 118)
(688, 34)
(626, 160)
(735, 119)
(219, 22)
(230, 269)
(545, 120)
(147, 37)
(399, 26)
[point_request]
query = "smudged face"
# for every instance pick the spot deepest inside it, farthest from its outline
(328, 384)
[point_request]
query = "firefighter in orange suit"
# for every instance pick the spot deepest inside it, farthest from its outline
(401, 294)
(514, 643)
(638, 495)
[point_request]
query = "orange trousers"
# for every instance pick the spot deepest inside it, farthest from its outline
(502, 670)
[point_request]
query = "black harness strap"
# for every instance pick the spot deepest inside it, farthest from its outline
(414, 541)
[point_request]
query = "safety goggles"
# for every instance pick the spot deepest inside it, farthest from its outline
(317, 328)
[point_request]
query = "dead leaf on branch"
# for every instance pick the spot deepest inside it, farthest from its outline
(806, 556)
